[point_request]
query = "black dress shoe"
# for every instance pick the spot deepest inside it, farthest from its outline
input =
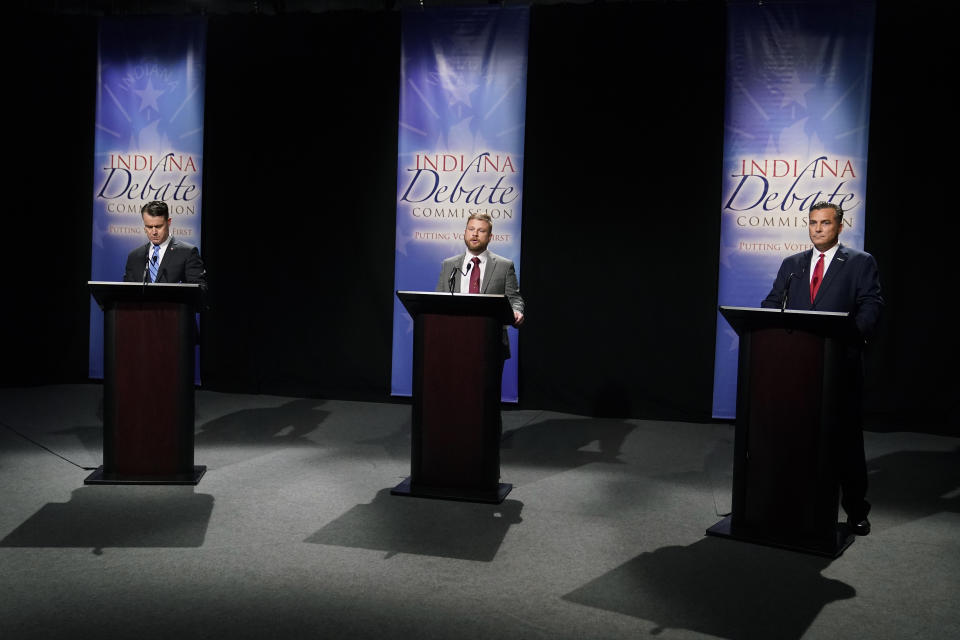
(859, 527)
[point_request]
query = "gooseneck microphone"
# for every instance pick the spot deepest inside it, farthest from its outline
(146, 273)
(786, 293)
(453, 274)
(455, 271)
(146, 268)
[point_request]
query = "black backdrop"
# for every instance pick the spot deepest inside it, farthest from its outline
(299, 188)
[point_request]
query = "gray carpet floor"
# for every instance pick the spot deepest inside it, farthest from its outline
(292, 533)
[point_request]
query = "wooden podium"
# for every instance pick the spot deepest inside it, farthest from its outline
(457, 370)
(792, 404)
(148, 402)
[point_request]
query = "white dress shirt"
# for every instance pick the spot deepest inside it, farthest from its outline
(827, 258)
(465, 275)
(163, 249)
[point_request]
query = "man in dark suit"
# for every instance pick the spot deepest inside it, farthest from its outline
(478, 270)
(837, 278)
(163, 258)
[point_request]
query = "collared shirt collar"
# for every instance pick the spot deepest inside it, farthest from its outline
(828, 257)
(163, 249)
(468, 257)
(465, 273)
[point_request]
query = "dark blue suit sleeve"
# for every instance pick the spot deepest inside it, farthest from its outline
(869, 302)
(136, 265)
(775, 298)
(194, 271)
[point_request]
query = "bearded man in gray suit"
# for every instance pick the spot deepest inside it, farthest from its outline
(477, 270)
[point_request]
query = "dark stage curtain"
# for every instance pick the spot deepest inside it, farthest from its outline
(622, 196)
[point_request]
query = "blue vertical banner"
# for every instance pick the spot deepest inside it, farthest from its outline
(148, 141)
(462, 112)
(795, 133)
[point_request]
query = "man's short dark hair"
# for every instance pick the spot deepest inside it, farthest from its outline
(156, 208)
(481, 216)
(829, 205)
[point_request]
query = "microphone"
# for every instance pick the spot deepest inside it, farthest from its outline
(146, 268)
(456, 270)
(450, 282)
(786, 293)
(146, 274)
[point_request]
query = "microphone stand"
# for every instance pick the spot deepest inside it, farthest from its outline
(786, 293)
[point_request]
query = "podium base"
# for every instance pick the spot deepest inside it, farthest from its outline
(101, 477)
(843, 538)
(495, 496)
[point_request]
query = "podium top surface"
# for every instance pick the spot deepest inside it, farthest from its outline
(799, 312)
(107, 293)
(491, 305)
(836, 324)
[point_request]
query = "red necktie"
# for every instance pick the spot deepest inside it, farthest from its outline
(817, 279)
(475, 276)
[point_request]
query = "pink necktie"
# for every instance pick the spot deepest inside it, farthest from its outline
(475, 276)
(817, 279)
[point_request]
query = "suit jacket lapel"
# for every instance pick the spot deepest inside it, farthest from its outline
(838, 262)
(805, 267)
(167, 260)
(488, 275)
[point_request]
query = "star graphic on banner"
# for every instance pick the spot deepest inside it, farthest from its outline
(459, 93)
(794, 91)
(148, 96)
(457, 87)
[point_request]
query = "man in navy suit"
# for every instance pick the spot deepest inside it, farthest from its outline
(163, 258)
(837, 278)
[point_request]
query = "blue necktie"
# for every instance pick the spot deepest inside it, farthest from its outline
(154, 263)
